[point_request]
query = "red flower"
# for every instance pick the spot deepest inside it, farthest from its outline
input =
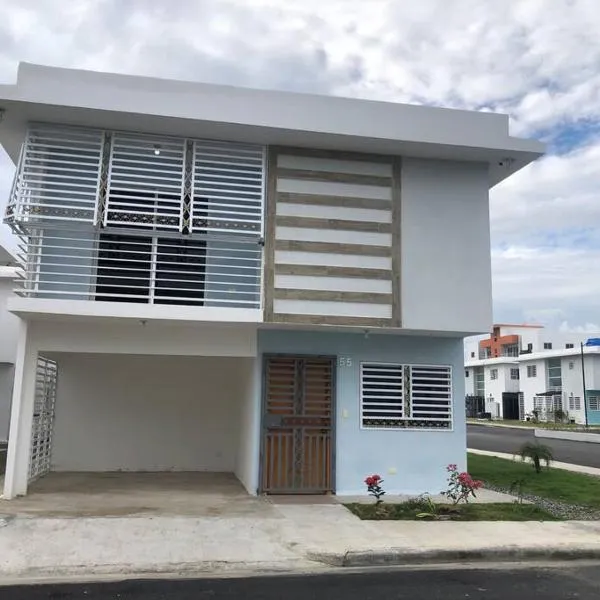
(369, 481)
(376, 478)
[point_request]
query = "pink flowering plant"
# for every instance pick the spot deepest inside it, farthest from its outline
(460, 485)
(374, 487)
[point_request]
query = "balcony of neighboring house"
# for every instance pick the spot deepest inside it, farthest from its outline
(139, 223)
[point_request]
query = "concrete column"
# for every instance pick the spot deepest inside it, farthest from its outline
(21, 417)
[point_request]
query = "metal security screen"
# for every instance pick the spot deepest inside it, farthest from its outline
(57, 177)
(297, 448)
(405, 396)
(43, 418)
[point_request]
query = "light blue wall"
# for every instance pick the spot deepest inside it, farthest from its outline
(419, 457)
(593, 416)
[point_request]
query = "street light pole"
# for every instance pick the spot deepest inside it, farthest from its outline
(583, 379)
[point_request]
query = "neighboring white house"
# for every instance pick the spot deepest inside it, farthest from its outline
(271, 284)
(9, 327)
(519, 369)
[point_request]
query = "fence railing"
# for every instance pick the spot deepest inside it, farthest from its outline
(162, 268)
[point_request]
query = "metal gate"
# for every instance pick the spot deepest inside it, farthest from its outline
(43, 418)
(298, 410)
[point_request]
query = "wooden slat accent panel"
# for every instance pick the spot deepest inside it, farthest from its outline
(328, 207)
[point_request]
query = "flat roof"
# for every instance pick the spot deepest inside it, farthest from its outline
(145, 104)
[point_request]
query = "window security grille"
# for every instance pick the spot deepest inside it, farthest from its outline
(514, 373)
(57, 176)
(574, 403)
(594, 402)
(145, 182)
(531, 370)
(139, 181)
(494, 374)
(405, 396)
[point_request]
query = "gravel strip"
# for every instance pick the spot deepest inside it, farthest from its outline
(554, 507)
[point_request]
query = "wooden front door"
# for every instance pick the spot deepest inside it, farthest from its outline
(297, 446)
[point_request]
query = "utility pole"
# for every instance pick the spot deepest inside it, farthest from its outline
(583, 379)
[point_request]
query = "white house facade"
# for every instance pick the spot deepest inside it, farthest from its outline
(222, 279)
(527, 371)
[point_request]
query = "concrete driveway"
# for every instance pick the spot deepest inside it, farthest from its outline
(130, 494)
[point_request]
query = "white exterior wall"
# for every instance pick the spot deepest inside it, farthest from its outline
(469, 381)
(9, 333)
(445, 241)
(146, 413)
(7, 373)
(9, 324)
(572, 383)
(531, 386)
(246, 460)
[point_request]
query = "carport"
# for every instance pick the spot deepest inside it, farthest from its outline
(140, 406)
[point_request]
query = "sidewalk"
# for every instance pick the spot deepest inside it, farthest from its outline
(297, 537)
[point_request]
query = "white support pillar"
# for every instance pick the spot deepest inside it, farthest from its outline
(21, 417)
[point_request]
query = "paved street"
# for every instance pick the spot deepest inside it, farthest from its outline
(549, 583)
(504, 439)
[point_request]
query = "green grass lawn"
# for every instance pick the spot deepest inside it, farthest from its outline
(407, 511)
(556, 484)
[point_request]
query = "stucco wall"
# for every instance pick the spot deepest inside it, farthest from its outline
(9, 324)
(146, 413)
(246, 460)
(6, 385)
(409, 461)
(445, 238)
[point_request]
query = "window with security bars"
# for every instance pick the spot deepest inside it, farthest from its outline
(405, 396)
(594, 402)
(574, 403)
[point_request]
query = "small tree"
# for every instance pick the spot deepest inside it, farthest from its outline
(537, 453)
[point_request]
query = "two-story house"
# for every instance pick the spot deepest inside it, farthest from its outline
(265, 283)
(519, 369)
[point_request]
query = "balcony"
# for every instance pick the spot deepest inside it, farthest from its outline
(131, 218)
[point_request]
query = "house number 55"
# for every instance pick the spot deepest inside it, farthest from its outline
(344, 361)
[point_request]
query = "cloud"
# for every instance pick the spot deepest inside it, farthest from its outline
(519, 57)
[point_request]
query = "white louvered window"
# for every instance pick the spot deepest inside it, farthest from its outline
(145, 184)
(594, 402)
(382, 394)
(228, 185)
(57, 176)
(405, 396)
(574, 403)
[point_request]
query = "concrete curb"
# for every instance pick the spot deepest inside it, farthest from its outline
(499, 425)
(399, 557)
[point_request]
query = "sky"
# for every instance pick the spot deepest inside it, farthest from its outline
(536, 60)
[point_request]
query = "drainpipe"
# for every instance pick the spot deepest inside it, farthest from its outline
(585, 411)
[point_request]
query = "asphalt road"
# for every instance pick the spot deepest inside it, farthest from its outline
(504, 439)
(551, 583)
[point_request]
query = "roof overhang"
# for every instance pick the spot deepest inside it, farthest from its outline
(123, 102)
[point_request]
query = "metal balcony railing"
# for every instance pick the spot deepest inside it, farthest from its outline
(128, 267)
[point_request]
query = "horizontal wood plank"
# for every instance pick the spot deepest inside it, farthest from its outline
(314, 223)
(333, 247)
(331, 320)
(337, 177)
(341, 201)
(335, 154)
(320, 295)
(328, 271)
